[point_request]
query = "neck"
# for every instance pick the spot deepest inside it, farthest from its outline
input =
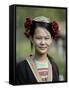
(40, 57)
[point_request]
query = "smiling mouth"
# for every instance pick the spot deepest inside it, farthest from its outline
(42, 47)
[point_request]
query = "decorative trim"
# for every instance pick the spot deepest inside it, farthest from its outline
(34, 70)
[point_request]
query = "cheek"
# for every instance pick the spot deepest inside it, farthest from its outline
(36, 43)
(49, 42)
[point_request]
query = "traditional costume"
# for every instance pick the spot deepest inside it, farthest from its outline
(27, 73)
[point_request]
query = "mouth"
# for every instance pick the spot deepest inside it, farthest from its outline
(43, 47)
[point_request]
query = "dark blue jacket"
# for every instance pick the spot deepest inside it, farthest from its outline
(24, 74)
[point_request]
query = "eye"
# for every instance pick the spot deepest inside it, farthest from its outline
(38, 38)
(47, 38)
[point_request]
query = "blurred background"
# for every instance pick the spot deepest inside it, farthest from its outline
(58, 50)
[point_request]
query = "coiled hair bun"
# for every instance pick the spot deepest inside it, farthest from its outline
(52, 27)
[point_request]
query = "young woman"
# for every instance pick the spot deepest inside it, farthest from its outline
(39, 67)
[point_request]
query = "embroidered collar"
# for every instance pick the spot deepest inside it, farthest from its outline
(34, 70)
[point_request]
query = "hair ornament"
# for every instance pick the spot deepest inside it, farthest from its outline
(55, 29)
(27, 26)
(28, 23)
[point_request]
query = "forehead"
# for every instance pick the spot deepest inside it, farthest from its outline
(40, 31)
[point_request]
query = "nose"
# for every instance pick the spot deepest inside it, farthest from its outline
(42, 41)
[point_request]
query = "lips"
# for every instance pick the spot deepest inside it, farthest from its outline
(42, 47)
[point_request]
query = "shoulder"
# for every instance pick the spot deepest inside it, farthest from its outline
(52, 62)
(21, 63)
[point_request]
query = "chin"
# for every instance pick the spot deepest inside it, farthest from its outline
(42, 52)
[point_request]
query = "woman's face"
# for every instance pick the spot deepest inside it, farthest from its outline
(41, 40)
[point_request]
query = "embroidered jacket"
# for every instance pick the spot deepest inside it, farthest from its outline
(27, 74)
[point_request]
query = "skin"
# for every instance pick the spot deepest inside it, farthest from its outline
(41, 40)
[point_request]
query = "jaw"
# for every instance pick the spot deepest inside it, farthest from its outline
(41, 51)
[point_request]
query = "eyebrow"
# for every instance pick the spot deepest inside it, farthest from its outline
(42, 36)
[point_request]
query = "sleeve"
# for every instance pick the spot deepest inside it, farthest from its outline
(55, 72)
(20, 73)
(54, 69)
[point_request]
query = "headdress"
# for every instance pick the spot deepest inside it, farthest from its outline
(54, 25)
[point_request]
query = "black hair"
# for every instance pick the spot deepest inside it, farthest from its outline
(39, 24)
